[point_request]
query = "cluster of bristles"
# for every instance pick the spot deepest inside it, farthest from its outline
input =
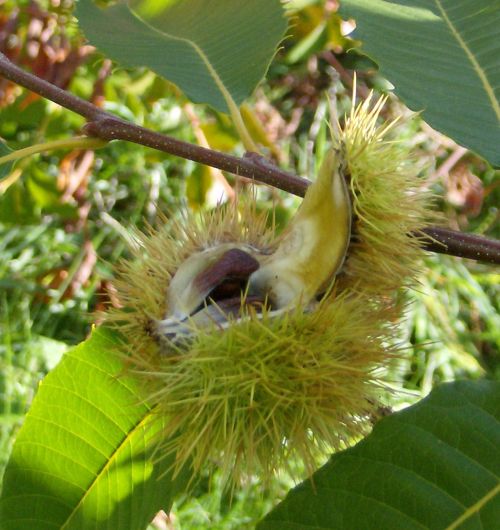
(266, 387)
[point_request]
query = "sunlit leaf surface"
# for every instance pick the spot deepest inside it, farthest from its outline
(82, 460)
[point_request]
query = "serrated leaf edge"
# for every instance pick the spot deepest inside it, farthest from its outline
(231, 104)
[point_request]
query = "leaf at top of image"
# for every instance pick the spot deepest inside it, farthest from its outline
(211, 49)
(433, 466)
(443, 57)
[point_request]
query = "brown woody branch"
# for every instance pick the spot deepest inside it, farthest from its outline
(108, 127)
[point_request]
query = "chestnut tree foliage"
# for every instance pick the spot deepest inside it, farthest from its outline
(222, 79)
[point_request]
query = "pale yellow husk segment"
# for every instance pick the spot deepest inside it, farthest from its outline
(266, 389)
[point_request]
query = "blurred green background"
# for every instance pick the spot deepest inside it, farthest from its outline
(65, 216)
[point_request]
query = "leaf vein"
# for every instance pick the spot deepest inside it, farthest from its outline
(107, 465)
(475, 64)
(474, 508)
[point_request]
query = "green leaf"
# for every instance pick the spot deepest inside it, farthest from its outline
(435, 465)
(43, 189)
(206, 47)
(6, 167)
(443, 57)
(17, 206)
(310, 44)
(81, 459)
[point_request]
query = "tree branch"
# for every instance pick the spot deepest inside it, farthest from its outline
(47, 90)
(252, 165)
(463, 245)
(108, 127)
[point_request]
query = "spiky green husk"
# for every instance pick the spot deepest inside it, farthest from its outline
(269, 388)
(266, 388)
(390, 206)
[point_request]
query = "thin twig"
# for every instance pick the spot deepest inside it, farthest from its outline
(49, 91)
(252, 165)
(108, 127)
(463, 245)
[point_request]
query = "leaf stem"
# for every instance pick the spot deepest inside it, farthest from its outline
(79, 142)
(245, 136)
(108, 127)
